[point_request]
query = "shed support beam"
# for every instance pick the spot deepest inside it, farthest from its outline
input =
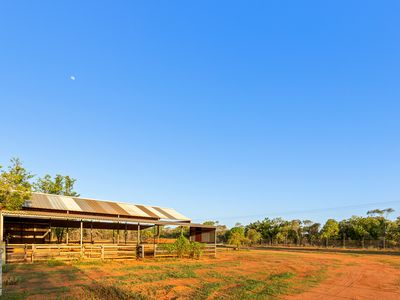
(81, 239)
(215, 242)
(1, 227)
(118, 234)
(50, 232)
(126, 232)
(138, 234)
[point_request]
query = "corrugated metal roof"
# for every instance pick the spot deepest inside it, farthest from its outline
(75, 204)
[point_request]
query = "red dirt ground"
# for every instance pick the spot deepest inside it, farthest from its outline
(356, 277)
(316, 275)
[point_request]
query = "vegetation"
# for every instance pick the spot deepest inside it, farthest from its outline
(356, 230)
(60, 185)
(182, 247)
(250, 275)
(16, 185)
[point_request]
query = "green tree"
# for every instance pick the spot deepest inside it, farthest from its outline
(295, 231)
(236, 236)
(330, 230)
(382, 215)
(60, 185)
(311, 231)
(15, 186)
(253, 236)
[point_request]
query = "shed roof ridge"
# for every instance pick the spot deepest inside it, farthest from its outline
(102, 200)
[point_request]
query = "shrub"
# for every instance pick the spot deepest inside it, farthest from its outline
(196, 250)
(182, 247)
(170, 248)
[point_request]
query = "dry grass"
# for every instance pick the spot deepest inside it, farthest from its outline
(233, 275)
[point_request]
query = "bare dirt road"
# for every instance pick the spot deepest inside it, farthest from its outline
(356, 276)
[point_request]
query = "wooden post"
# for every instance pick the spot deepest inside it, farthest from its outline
(126, 232)
(33, 252)
(3, 247)
(102, 252)
(215, 242)
(154, 240)
(21, 232)
(67, 236)
(138, 234)
(50, 233)
(34, 234)
(1, 227)
(26, 252)
(118, 233)
(81, 240)
(91, 233)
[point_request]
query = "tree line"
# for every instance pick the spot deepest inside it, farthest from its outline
(355, 231)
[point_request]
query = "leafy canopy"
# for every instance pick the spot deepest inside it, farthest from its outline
(60, 185)
(15, 186)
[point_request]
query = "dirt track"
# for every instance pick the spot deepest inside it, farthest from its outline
(356, 277)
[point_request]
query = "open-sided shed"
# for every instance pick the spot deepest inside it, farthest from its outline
(28, 234)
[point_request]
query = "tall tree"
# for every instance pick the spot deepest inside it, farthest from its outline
(382, 215)
(330, 230)
(253, 236)
(60, 185)
(15, 186)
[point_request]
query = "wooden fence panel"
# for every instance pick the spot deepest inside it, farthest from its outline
(16, 253)
(162, 251)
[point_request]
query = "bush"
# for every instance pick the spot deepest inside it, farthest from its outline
(196, 250)
(182, 247)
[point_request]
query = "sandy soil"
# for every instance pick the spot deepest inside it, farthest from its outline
(356, 277)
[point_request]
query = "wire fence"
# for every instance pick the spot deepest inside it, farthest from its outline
(338, 243)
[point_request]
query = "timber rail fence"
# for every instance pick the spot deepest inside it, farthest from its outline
(29, 253)
(18, 253)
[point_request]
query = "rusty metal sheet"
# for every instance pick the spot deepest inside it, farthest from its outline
(65, 203)
(166, 214)
(57, 202)
(83, 204)
(97, 207)
(40, 201)
(118, 209)
(147, 211)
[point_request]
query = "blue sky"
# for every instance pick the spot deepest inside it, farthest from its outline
(227, 110)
